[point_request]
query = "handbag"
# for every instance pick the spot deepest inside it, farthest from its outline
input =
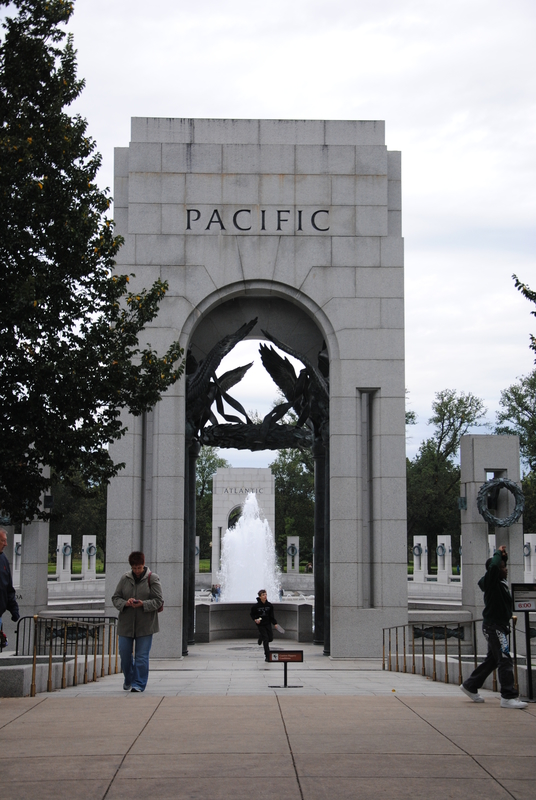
(149, 581)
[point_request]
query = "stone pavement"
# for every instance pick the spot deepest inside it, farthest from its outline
(209, 727)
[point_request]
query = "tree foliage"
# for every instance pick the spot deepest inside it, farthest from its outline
(433, 477)
(293, 471)
(411, 416)
(528, 486)
(530, 295)
(208, 462)
(69, 327)
(453, 415)
(77, 515)
(518, 416)
(433, 486)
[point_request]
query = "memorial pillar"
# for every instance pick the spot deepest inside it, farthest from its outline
(483, 458)
(15, 558)
(293, 555)
(64, 556)
(89, 558)
(34, 568)
(319, 455)
(189, 547)
(327, 559)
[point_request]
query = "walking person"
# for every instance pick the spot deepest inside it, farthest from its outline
(262, 613)
(138, 598)
(8, 600)
(496, 618)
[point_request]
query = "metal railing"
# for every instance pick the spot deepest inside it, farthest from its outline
(71, 639)
(24, 641)
(406, 645)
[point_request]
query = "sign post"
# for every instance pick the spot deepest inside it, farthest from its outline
(285, 657)
(524, 597)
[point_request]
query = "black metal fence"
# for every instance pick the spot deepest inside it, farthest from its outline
(408, 648)
(66, 634)
(86, 640)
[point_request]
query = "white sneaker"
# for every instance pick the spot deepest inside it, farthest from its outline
(514, 702)
(475, 697)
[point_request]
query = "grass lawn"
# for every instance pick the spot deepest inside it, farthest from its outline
(76, 567)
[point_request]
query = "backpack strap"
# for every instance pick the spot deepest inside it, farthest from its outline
(149, 582)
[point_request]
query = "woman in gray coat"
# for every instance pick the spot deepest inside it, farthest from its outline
(138, 598)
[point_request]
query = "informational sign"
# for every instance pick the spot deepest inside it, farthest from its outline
(524, 596)
(287, 655)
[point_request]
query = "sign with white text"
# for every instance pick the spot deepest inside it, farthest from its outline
(524, 596)
(287, 655)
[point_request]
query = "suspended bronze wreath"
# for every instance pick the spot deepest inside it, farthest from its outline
(492, 488)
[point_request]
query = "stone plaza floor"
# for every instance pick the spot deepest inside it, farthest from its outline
(212, 727)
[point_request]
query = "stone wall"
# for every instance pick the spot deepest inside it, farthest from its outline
(297, 223)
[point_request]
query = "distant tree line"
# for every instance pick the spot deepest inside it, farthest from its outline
(70, 328)
(433, 475)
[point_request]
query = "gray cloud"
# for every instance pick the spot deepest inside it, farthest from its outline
(456, 85)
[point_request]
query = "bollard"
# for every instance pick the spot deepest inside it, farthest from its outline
(95, 649)
(34, 666)
(109, 648)
(433, 653)
(446, 657)
(75, 675)
(64, 668)
(460, 675)
(86, 656)
(49, 680)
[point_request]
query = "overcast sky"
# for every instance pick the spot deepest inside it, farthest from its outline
(455, 84)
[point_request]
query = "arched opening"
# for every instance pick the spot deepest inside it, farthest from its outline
(214, 416)
(234, 516)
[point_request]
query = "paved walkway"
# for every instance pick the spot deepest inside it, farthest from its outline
(212, 727)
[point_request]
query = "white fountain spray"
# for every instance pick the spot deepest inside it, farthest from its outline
(248, 558)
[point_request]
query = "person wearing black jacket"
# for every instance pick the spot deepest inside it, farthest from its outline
(496, 618)
(8, 600)
(262, 613)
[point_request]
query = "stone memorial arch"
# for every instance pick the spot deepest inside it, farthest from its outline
(230, 487)
(290, 232)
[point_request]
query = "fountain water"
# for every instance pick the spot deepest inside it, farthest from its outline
(248, 557)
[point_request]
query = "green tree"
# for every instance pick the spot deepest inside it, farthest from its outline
(530, 295)
(518, 416)
(411, 416)
(69, 328)
(208, 462)
(77, 514)
(433, 486)
(433, 477)
(528, 485)
(453, 415)
(293, 470)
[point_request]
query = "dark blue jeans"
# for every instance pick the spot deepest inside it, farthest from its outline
(135, 663)
(265, 633)
(498, 658)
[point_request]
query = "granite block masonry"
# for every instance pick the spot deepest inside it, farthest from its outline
(298, 223)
